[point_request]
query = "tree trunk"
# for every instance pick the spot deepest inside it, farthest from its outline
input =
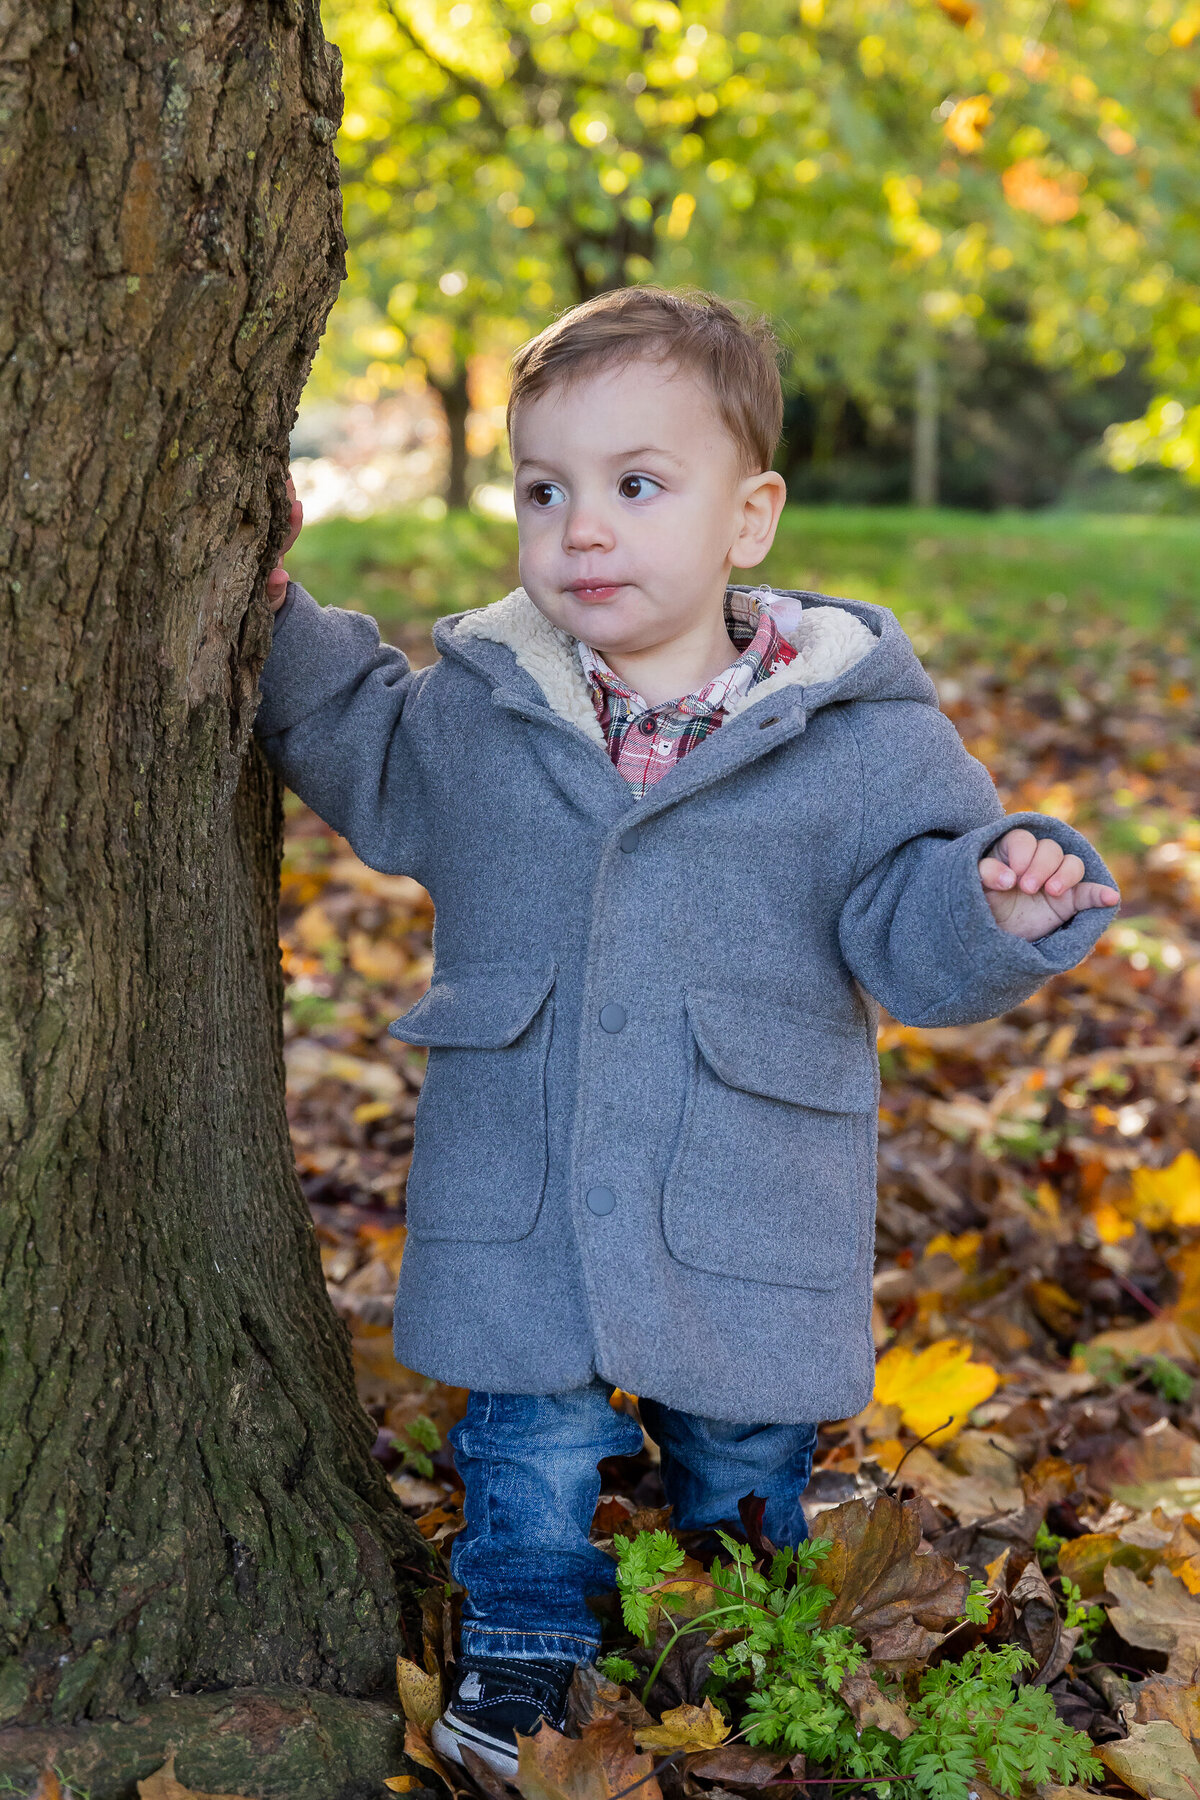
(925, 432)
(456, 404)
(185, 1471)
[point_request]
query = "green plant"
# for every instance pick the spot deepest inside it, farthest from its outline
(779, 1671)
(1047, 1545)
(1089, 1619)
(1168, 1379)
(969, 1716)
(423, 1437)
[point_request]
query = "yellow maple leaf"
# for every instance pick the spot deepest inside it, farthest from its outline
(685, 1728)
(1169, 1196)
(935, 1387)
(967, 122)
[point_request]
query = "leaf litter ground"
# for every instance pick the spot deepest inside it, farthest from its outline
(1036, 1422)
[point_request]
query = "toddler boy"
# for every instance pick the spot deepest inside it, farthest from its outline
(681, 838)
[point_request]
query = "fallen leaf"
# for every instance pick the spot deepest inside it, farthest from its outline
(871, 1706)
(741, 1764)
(1159, 1616)
(1085, 1560)
(593, 1698)
(48, 1787)
(933, 1386)
(599, 1763)
(1161, 1697)
(1039, 1624)
(1155, 1760)
(685, 1728)
(420, 1693)
(164, 1784)
(401, 1784)
(959, 12)
(1170, 1196)
(897, 1599)
(969, 1497)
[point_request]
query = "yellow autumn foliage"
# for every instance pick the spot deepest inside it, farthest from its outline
(935, 1387)
(1170, 1196)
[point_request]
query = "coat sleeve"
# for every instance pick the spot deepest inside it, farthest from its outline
(336, 720)
(916, 929)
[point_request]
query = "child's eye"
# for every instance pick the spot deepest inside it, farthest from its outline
(546, 493)
(638, 487)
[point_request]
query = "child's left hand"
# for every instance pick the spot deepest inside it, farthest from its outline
(1033, 886)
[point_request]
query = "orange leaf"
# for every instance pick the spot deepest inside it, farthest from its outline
(959, 12)
(967, 123)
(1029, 190)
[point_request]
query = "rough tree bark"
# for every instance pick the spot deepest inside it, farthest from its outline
(184, 1468)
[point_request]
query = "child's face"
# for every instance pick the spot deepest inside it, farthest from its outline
(633, 504)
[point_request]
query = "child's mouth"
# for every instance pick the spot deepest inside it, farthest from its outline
(595, 590)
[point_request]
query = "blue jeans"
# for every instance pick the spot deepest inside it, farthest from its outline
(528, 1463)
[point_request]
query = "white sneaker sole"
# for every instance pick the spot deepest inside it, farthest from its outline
(450, 1734)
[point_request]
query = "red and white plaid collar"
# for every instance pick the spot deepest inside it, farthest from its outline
(748, 617)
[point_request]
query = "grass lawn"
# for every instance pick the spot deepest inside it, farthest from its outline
(962, 583)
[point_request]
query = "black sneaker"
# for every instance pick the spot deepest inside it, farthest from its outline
(493, 1700)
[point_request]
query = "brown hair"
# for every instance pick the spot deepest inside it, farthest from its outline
(739, 358)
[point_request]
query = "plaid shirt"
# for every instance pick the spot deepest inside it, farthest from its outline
(645, 741)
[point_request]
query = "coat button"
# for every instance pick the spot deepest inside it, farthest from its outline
(628, 840)
(613, 1017)
(600, 1200)
(647, 725)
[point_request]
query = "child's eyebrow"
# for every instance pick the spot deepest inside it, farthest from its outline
(617, 456)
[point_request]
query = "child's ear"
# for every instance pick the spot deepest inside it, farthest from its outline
(761, 503)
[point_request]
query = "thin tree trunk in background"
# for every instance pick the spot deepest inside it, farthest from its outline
(456, 404)
(185, 1472)
(925, 432)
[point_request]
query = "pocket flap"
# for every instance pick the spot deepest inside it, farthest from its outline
(786, 1055)
(476, 1006)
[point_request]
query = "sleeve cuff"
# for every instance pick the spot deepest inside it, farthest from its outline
(1026, 965)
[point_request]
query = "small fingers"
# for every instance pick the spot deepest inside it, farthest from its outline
(995, 875)
(1016, 848)
(1068, 875)
(1090, 894)
(1045, 861)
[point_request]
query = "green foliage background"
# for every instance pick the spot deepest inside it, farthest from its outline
(897, 182)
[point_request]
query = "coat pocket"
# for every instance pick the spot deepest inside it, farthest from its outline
(479, 1156)
(773, 1176)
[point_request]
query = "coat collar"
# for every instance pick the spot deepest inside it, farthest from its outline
(828, 641)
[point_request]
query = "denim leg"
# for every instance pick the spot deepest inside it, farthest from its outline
(708, 1465)
(528, 1464)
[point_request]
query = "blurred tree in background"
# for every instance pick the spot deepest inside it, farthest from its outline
(974, 225)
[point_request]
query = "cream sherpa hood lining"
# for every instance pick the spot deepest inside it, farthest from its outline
(827, 640)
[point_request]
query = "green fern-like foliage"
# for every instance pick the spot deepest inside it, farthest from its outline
(780, 1679)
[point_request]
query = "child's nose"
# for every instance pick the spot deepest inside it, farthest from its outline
(587, 529)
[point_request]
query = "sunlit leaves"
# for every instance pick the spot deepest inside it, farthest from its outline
(935, 1388)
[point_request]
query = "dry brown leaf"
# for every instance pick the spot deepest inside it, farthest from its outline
(871, 1706)
(599, 1763)
(1159, 1616)
(1085, 1560)
(401, 1784)
(900, 1601)
(969, 1497)
(740, 1764)
(420, 1693)
(1155, 1760)
(1161, 1697)
(685, 1728)
(48, 1787)
(593, 1698)
(164, 1784)
(1039, 1625)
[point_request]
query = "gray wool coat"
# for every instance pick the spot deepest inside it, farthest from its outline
(645, 1146)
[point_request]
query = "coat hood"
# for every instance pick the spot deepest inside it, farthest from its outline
(846, 650)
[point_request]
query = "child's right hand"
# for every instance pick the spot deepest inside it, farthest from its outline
(277, 580)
